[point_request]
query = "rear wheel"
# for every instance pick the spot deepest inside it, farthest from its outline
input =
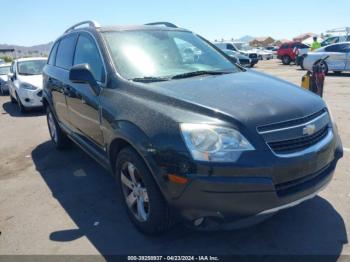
(286, 60)
(58, 137)
(143, 200)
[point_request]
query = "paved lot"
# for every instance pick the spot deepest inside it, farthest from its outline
(64, 203)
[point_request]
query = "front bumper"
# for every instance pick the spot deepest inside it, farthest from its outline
(30, 98)
(222, 194)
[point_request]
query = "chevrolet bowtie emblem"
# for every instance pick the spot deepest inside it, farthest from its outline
(309, 130)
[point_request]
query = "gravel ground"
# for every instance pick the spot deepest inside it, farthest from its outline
(64, 203)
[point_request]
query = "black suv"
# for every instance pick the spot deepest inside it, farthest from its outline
(187, 134)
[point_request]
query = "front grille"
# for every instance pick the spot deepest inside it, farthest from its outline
(297, 134)
(294, 145)
(293, 122)
(244, 61)
(40, 93)
(253, 56)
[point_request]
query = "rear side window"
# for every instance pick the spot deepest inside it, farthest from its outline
(86, 52)
(64, 57)
(53, 53)
(284, 46)
(336, 48)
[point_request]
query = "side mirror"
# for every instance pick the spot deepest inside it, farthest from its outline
(11, 76)
(82, 74)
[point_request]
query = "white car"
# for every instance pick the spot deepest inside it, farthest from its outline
(338, 60)
(242, 48)
(263, 54)
(4, 71)
(26, 82)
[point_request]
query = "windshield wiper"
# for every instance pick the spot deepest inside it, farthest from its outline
(198, 73)
(149, 79)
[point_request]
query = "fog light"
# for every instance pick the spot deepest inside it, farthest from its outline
(198, 221)
(27, 100)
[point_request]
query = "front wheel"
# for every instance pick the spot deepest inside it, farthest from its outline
(324, 67)
(21, 107)
(58, 137)
(143, 200)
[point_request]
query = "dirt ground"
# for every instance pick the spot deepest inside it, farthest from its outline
(55, 202)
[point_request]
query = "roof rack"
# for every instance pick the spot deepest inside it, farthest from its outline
(340, 30)
(167, 24)
(90, 23)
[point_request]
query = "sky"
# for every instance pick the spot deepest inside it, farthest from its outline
(27, 23)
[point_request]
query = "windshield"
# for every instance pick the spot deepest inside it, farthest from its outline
(33, 67)
(150, 53)
(4, 70)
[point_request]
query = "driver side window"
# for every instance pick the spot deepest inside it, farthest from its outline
(86, 52)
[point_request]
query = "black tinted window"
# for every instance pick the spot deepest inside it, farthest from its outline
(284, 46)
(230, 47)
(53, 53)
(336, 48)
(301, 45)
(64, 57)
(87, 53)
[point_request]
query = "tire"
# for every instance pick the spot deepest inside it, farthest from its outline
(58, 137)
(325, 68)
(21, 107)
(13, 101)
(337, 72)
(302, 63)
(146, 207)
(286, 60)
(260, 57)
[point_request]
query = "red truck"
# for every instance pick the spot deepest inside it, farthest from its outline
(288, 52)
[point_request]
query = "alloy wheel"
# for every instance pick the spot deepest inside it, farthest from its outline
(135, 192)
(52, 127)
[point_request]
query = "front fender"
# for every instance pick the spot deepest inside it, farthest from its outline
(128, 132)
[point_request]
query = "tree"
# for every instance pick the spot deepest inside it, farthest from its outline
(7, 59)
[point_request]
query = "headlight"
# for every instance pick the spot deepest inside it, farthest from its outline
(214, 143)
(28, 86)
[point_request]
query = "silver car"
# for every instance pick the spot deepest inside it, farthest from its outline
(338, 60)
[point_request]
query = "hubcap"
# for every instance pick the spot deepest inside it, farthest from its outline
(52, 127)
(135, 192)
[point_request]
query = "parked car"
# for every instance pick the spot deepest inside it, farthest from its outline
(287, 51)
(238, 58)
(25, 85)
(338, 61)
(239, 47)
(4, 71)
(205, 141)
(263, 54)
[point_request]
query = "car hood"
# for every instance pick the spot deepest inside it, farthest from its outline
(34, 80)
(3, 78)
(249, 97)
